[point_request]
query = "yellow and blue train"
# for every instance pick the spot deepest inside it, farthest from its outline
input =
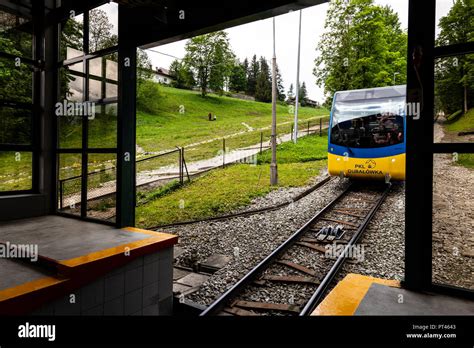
(367, 130)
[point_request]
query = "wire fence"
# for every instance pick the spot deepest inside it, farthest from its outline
(161, 169)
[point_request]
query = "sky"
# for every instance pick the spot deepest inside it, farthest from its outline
(256, 38)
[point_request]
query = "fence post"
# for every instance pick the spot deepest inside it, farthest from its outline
(291, 132)
(180, 165)
(321, 127)
(261, 141)
(308, 127)
(185, 167)
(223, 152)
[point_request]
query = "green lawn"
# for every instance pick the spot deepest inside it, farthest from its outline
(466, 160)
(165, 129)
(169, 128)
(224, 190)
(463, 123)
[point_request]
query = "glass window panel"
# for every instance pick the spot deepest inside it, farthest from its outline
(101, 186)
(111, 90)
(112, 68)
(103, 27)
(103, 127)
(79, 67)
(15, 126)
(15, 35)
(70, 132)
(103, 73)
(95, 90)
(454, 22)
(454, 102)
(71, 42)
(15, 171)
(69, 185)
(453, 218)
(16, 81)
(71, 86)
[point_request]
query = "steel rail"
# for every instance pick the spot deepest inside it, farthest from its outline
(323, 286)
(217, 305)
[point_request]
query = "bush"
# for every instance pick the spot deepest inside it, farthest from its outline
(148, 96)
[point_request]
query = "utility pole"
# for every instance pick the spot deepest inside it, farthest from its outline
(295, 128)
(273, 165)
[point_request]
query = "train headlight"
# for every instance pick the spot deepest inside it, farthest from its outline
(393, 160)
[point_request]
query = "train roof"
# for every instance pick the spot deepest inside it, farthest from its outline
(371, 93)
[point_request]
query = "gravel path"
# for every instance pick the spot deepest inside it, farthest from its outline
(453, 221)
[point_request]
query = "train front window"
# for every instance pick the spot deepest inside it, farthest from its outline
(368, 123)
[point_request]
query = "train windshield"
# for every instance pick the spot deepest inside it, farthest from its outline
(368, 123)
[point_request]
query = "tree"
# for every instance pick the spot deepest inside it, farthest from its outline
(238, 78)
(100, 31)
(454, 76)
(211, 59)
(290, 93)
(183, 75)
(144, 67)
(222, 63)
(280, 87)
(362, 47)
(252, 76)
(263, 89)
(303, 94)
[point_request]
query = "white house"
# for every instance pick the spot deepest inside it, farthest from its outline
(162, 75)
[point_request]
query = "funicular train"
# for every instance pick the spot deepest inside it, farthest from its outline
(366, 137)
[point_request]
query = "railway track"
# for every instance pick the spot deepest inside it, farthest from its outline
(293, 279)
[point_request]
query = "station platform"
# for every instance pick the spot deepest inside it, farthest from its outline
(61, 256)
(363, 295)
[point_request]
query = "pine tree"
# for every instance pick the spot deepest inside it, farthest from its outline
(263, 90)
(253, 72)
(290, 93)
(280, 87)
(303, 94)
(238, 79)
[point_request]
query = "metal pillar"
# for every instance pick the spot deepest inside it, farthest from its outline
(419, 156)
(126, 126)
(273, 165)
(297, 97)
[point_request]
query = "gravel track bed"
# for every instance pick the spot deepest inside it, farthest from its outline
(247, 240)
(383, 241)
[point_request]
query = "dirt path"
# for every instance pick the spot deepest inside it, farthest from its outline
(453, 220)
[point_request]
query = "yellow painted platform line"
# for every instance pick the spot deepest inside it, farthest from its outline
(158, 239)
(347, 295)
(29, 287)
